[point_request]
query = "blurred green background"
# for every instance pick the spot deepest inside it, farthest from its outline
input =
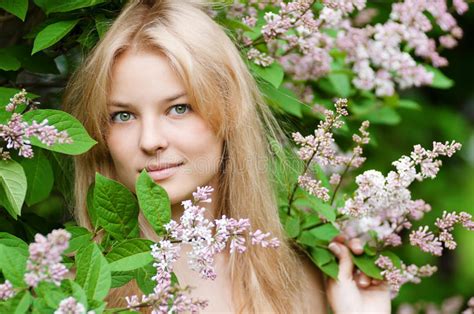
(445, 115)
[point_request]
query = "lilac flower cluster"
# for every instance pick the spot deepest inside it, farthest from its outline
(71, 306)
(384, 204)
(396, 277)
(6, 291)
(16, 132)
(17, 99)
(428, 242)
(44, 262)
(321, 149)
(382, 56)
(206, 239)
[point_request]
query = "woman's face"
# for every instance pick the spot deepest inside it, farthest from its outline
(153, 127)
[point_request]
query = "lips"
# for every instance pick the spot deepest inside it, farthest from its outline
(163, 171)
(162, 166)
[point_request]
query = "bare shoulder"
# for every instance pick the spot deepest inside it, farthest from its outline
(315, 290)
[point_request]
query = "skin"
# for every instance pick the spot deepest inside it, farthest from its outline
(151, 126)
(153, 123)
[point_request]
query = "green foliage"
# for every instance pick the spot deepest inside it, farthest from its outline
(52, 33)
(82, 141)
(116, 208)
(93, 272)
(154, 202)
(15, 7)
(130, 255)
(13, 182)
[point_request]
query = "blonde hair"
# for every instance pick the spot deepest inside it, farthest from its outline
(225, 94)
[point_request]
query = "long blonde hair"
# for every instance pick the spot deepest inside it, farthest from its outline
(225, 94)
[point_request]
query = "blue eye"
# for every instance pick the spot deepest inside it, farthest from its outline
(180, 109)
(122, 116)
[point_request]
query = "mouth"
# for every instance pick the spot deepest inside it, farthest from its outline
(163, 171)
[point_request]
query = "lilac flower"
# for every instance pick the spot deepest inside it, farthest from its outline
(16, 134)
(314, 187)
(18, 99)
(71, 306)
(198, 232)
(383, 203)
(260, 58)
(426, 241)
(203, 194)
(6, 291)
(44, 262)
(258, 237)
(396, 277)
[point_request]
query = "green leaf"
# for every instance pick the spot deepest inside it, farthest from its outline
(90, 206)
(8, 62)
(102, 24)
(52, 33)
(12, 241)
(369, 250)
(282, 99)
(82, 142)
(50, 6)
(93, 272)
(130, 255)
(39, 176)
(325, 232)
(74, 289)
(292, 227)
(331, 269)
(40, 307)
(273, 74)
(310, 221)
(116, 207)
(143, 276)
(50, 293)
(154, 202)
(325, 210)
(408, 104)
(38, 63)
(439, 79)
(383, 115)
(13, 186)
(321, 256)
(18, 304)
(341, 84)
(120, 278)
(367, 265)
(13, 265)
(80, 237)
(24, 303)
(15, 7)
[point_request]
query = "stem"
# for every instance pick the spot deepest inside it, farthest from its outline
(292, 195)
(340, 181)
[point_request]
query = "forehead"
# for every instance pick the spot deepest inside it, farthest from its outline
(139, 75)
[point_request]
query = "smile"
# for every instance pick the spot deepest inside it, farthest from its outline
(163, 172)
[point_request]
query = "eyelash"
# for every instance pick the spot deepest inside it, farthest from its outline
(115, 114)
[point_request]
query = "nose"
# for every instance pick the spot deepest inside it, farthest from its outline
(153, 136)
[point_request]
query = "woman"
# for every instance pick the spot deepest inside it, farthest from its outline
(166, 90)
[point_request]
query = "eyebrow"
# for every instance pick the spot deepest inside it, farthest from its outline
(128, 105)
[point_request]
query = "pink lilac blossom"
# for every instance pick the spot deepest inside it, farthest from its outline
(425, 240)
(16, 134)
(6, 291)
(44, 262)
(470, 309)
(196, 231)
(396, 277)
(71, 306)
(17, 99)
(383, 203)
(259, 58)
(314, 187)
